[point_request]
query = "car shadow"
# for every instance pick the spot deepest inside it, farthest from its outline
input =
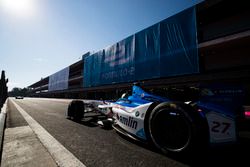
(92, 121)
(214, 156)
(221, 156)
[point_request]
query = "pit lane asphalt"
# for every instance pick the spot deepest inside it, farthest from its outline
(95, 146)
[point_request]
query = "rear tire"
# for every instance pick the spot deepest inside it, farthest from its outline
(172, 127)
(76, 110)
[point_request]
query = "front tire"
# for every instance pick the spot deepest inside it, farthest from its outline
(76, 110)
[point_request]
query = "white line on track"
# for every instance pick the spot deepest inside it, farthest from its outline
(60, 154)
(57, 100)
(48, 99)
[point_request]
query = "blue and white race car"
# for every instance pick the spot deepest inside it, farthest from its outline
(174, 126)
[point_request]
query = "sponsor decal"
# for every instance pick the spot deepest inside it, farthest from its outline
(128, 121)
(137, 113)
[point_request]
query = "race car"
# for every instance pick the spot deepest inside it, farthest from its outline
(174, 126)
(19, 97)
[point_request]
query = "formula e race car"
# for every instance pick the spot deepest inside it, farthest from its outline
(171, 125)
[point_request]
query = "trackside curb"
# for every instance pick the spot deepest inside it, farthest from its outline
(2, 123)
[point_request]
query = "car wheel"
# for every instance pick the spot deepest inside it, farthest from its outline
(76, 110)
(69, 111)
(171, 127)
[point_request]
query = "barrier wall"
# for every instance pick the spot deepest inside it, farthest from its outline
(168, 48)
(59, 80)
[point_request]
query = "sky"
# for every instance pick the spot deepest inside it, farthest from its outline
(41, 37)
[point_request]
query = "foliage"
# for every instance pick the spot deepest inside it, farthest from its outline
(18, 92)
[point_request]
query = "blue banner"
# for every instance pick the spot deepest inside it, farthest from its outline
(178, 40)
(59, 80)
(168, 48)
(92, 69)
(148, 53)
(119, 62)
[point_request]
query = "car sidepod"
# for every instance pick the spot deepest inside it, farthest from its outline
(131, 119)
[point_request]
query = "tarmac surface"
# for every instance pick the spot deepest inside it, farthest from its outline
(31, 122)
